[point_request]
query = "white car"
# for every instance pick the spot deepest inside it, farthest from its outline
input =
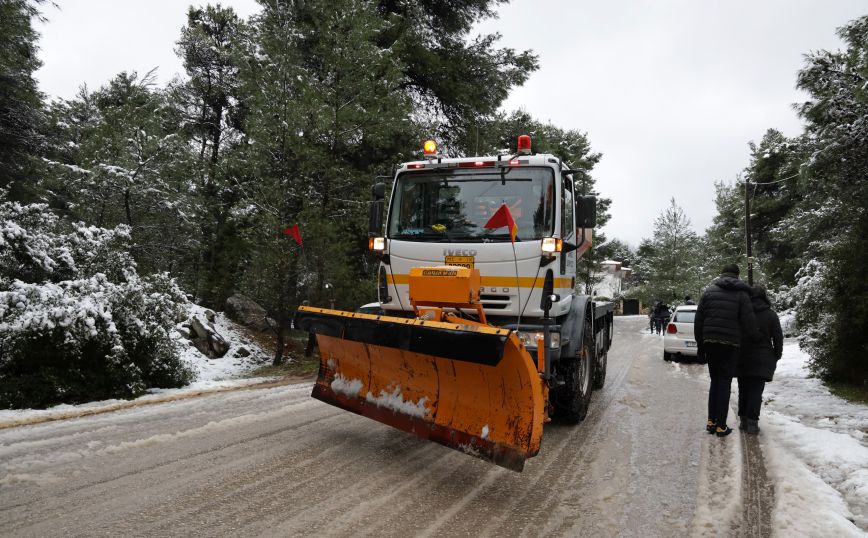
(678, 339)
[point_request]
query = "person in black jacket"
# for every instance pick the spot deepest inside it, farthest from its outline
(757, 361)
(724, 318)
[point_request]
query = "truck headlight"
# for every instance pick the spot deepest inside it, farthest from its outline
(377, 244)
(550, 245)
(529, 338)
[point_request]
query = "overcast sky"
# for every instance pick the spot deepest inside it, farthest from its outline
(670, 92)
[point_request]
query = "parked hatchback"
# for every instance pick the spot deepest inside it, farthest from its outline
(678, 339)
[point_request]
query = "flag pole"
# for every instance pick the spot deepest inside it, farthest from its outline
(517, 286)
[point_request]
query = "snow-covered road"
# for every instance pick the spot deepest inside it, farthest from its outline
(273, 461)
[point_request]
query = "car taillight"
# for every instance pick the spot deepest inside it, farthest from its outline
(671, 328)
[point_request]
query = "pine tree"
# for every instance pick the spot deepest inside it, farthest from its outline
(773, 177)
(214, 113)
(456, 81)
(117, 157)
(20, 101)
(835, 186)
(669, 263)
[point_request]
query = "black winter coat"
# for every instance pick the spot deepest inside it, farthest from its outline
(758, 358)
(725, 314)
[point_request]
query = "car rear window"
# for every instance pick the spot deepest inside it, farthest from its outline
(685, 316)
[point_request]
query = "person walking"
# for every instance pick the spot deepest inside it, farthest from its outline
(663, 315)
(724, 318)
(652, 316)
(688, 300)
(758, 360)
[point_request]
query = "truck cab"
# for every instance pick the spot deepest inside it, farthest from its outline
(437, 215)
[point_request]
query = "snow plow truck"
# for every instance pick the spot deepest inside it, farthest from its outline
(484, 337)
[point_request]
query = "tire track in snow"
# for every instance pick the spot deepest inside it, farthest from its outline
(526, 504)
(759, 496)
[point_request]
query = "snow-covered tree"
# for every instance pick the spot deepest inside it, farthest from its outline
(118, 157)
(834, 211)
(77, 323)
(20, 100)
(669, 263)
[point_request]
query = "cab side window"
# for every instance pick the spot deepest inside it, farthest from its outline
(567, 227)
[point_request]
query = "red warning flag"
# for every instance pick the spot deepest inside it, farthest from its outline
(502, 217)
(293, 232)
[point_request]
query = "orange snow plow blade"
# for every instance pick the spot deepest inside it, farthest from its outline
(471, 387)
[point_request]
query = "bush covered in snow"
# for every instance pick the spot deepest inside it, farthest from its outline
(77, 323)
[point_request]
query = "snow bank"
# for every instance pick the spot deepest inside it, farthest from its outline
(211, 374)
(214, 372)
(816, 452)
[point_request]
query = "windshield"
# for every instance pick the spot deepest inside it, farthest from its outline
(455, 205)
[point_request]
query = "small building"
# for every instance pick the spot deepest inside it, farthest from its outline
(610, 280)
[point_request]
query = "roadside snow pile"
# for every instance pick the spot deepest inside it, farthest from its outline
(816, 447)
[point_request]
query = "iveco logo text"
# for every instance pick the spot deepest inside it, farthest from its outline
(458, 252)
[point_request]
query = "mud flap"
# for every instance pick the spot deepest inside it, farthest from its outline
(473, 388)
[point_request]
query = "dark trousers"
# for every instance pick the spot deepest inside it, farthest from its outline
(750, 396)
(722, 364)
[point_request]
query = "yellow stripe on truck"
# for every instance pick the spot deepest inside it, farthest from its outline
(495, 281)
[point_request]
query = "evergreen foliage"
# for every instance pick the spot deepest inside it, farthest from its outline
(669, 264)
(21, 116)
(77, 323)
(809, 220)
(834, 210)
(286, 118)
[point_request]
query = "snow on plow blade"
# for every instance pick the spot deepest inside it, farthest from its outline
(470, 387)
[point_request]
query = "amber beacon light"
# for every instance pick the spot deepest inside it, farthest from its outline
(429, 148)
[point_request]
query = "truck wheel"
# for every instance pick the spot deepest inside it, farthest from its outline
(600, 367)
(574, 396)
(600, 371)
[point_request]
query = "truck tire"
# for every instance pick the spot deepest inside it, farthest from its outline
(574, 396)
(600, 366)
(600, 371)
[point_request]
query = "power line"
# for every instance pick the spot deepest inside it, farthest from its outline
(769, 182)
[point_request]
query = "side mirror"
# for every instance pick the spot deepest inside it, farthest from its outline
(586, 211)
(375, 215)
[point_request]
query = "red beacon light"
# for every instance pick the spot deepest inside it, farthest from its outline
(524, 145)
(429, 148)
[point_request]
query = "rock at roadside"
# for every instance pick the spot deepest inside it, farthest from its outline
(206, 338)
(247, 312)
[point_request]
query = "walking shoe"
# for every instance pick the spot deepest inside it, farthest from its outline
(709, 426)
(742, 423)
(752, 427)
(723, 431)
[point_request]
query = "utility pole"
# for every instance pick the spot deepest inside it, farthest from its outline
(747, 233)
